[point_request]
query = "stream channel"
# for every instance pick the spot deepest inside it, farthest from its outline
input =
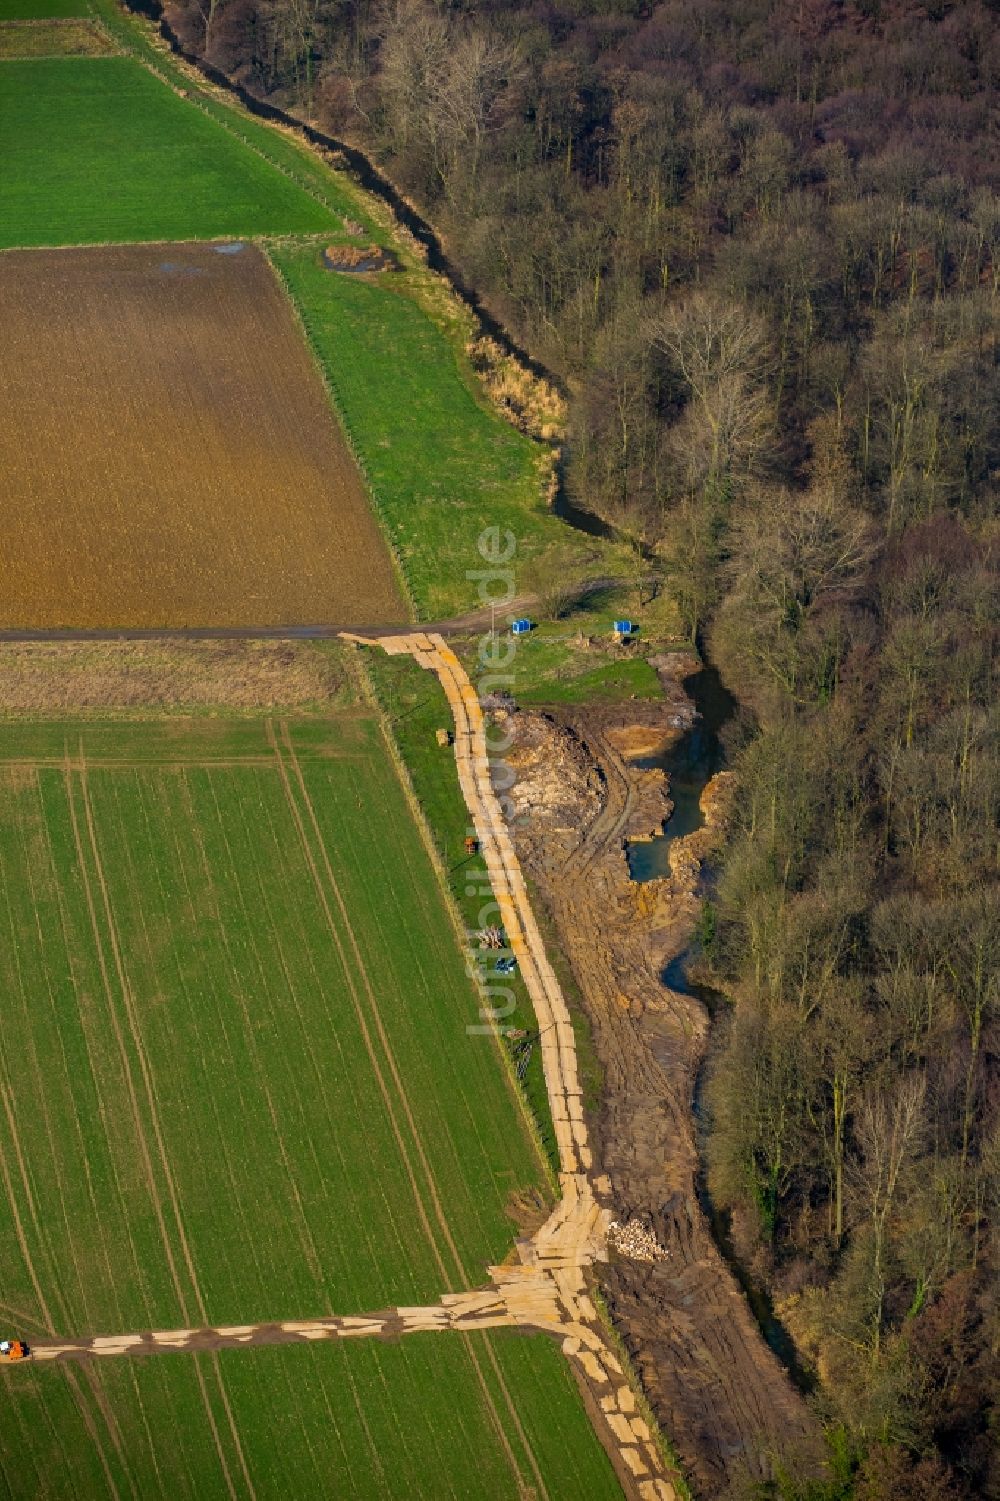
(689, 765)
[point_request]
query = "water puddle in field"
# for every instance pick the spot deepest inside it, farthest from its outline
(235, 247)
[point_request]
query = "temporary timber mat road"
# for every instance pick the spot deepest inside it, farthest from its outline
(546, 1290)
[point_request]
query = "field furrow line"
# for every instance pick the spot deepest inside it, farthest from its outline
(27, 1321)
(14, 1198)
(383, 1088)
(306, 1240)
(248, 1240)
(22, 1239)
(91, 1426)
(359, 1010)
(92, 1380)
(404, 1099)
(99, 1218)
(106, 1411)
(147, 1074)
(375, 1010)
(45, 1231)
(362, 1238)
(136, 881)
(123, 1052)
(140, 1131)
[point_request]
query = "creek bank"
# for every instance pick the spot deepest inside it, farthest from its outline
(364, 170)
(718, 1390)
(699, 791)
(680, 975)
(690, 762)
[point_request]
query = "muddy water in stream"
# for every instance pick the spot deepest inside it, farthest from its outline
(690, 764)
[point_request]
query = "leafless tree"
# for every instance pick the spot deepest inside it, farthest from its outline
(887, 1128)
(719, 349)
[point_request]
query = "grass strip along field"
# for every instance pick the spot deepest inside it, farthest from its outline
(416, 705)
(232, 984)
(99, 150)
(441, 463)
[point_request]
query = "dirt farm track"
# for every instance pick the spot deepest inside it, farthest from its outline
(170, 457)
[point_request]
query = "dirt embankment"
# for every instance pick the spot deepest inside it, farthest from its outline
(718, 1390)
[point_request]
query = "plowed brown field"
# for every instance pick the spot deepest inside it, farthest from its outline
(170, 456)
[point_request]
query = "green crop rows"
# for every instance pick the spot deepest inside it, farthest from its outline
(363, 1420)
(178, 970)
(208, 1134)
(99, 150)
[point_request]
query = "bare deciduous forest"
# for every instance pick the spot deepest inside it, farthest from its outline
(759, 242)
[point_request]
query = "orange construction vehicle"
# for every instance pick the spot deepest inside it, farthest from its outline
(13, 1349)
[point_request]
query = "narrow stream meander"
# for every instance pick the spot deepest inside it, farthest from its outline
(689, 765)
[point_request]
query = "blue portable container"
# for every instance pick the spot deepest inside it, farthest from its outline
(521, 627)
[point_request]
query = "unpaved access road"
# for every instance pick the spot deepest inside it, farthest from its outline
(546, 1288)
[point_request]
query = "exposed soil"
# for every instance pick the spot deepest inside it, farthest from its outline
(170, 455)
(52, 679)
(722, 1396)
(358, 258)
(53, 37)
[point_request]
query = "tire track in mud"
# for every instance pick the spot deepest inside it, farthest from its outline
(715, 1385)
(153, 1104)
(611, 817)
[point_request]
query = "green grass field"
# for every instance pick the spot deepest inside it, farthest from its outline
(334, 1422)
(99, 150)
(204, 1121)
(442, 464)
(180, 976)
(363, 1420)
(40, 10)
